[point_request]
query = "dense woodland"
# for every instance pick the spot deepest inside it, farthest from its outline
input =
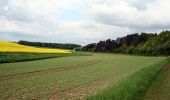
(49, 45)
(141, 44)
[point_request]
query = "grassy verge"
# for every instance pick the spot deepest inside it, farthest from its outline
(133, 87)
(18, 57)
(160, 89)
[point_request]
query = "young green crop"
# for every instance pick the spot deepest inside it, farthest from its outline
(72, 77)
(20, 57)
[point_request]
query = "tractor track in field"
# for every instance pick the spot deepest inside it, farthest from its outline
(54, 95)
(46, 71)
(165, 68)
(157, 91)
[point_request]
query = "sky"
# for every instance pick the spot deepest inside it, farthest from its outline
(80, 21)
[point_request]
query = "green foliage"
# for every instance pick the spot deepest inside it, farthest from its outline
(143, 44)
(158, 45)
(49, 45)
(133, 87)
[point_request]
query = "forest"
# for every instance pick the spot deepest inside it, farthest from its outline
(49, 45)
(140, 44)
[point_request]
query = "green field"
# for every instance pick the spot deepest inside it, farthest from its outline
(72, 77)
(20, 57)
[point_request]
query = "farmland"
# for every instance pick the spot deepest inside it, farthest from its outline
(72, 77)
(20, 57)
(84, 50)
(14, 47)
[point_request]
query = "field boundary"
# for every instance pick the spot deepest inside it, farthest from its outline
(133, 87)
(25, 57)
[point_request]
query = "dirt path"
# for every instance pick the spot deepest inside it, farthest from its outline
(165, 68)
(160, 89)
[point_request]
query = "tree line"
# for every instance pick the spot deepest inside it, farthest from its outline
(141, 44)
(49, 45)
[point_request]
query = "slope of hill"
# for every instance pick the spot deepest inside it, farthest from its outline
(71, 78)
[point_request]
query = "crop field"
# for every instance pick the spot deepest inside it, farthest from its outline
(72, 77)
(20, 57)
(14, 47)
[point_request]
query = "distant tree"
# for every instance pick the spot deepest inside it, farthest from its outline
(144, 43)
(49, 45)
(100, 46)
(108, 45)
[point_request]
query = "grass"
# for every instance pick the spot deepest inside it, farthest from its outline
(134, 87)
(72, 77)
(20, 57)
(160, 89)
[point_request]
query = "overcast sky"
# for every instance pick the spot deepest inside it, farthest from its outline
(80, 21)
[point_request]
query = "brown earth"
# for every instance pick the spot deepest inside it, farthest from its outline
(165, 68)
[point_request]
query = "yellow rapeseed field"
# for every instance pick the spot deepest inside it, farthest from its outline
(14, 47)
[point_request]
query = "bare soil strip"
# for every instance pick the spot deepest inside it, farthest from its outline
(165, 68)
(46, 71)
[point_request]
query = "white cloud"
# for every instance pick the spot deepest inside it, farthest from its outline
(154, 16)
(45, 20)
